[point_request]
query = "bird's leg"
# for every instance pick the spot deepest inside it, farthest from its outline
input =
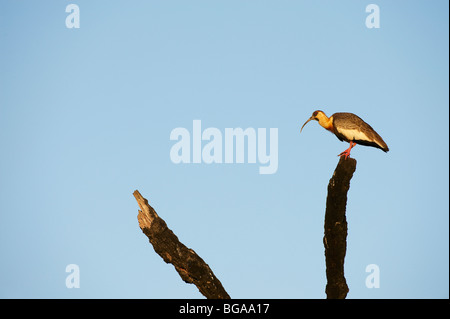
(346, 153)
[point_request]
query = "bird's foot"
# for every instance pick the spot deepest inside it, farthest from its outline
(345, 153)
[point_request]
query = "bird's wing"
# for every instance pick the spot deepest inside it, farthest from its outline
(349, 127)
(350, 121)
(346, 124)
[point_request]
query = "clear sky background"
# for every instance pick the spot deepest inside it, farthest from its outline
(86, 115)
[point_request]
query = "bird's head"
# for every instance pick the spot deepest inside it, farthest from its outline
(317, 115)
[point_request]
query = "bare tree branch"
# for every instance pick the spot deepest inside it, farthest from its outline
(190, 267)
(335, 238)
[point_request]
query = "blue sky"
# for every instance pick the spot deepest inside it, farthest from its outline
(86, 115)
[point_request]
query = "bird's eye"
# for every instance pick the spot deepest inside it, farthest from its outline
(315, 113)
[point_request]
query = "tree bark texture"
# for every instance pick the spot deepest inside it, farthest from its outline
(335, 238)
(190, 267)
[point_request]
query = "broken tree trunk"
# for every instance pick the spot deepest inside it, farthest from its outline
(335, 238)
(191, 268)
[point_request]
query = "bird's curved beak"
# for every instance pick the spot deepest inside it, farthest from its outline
(311, 118)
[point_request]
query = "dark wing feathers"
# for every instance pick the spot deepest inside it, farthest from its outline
(350, 121)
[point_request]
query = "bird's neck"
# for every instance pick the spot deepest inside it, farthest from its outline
(326, 123)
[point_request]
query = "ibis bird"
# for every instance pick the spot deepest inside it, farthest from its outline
(350, 128)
